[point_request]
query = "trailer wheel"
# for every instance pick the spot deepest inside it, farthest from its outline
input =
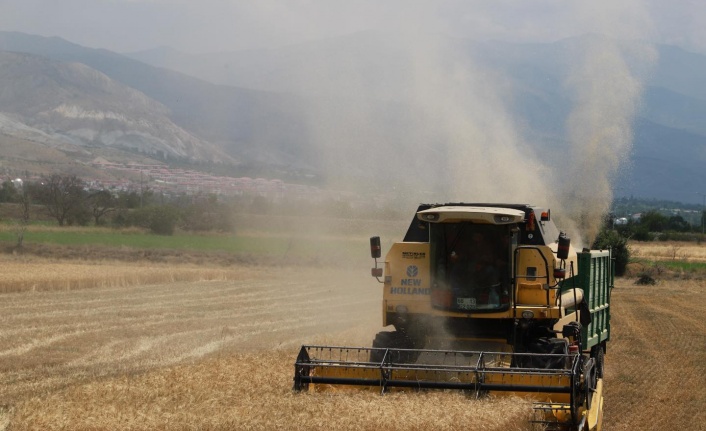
(393, 340)
(590, 379)
(598, 352)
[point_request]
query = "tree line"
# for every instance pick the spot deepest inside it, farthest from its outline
(71, 202)
(653, 225)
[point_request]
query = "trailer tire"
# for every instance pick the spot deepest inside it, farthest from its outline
(392, 340)
(598, 352)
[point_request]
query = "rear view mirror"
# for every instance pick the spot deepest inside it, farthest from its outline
(375, 253)
(375, 247)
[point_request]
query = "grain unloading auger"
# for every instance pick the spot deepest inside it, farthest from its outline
(485, 298)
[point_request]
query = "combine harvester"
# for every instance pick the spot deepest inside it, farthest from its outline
(485, 298)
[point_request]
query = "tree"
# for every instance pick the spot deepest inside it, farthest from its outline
(205, 213)
(163, 220)
(159, 219)
(128, 199)
(25, 199)
(678, 224)
(9, 192)
(609, 238)
(654, 221)
(101, 203)
(62, 196)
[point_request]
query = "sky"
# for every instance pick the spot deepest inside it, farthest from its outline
(229, 25)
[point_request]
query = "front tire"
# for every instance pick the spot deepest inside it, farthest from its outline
(393, 340)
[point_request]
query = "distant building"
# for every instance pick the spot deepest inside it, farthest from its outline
(620, 221)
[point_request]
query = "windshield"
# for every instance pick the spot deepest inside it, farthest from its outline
(470, 269)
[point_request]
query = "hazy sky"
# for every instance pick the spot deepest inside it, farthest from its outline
(217, 25)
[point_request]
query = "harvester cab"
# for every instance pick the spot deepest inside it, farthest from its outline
(486, 298)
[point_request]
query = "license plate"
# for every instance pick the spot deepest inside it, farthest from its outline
(466, 303)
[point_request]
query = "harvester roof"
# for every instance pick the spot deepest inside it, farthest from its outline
(539, 231)
(475, 214)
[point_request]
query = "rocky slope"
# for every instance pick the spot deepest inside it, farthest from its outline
(74, 106)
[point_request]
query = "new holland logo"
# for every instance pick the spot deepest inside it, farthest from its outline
(412, 280)
(412, 271)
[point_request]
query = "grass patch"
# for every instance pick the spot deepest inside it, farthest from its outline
(648, 269)
(680, 265)
(117, 238)
(97, 243)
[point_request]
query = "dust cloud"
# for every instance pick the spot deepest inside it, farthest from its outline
(437, 130)
(606, 92)
(417, 117)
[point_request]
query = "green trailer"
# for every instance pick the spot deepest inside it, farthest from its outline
(596, 274)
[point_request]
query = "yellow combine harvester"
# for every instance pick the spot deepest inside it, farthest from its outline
(485, 298)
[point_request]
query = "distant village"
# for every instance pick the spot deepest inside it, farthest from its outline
(171, 181)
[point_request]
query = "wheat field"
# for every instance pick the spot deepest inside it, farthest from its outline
(215, 351)
(668, 250)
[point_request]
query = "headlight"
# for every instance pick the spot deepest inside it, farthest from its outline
(401, 309)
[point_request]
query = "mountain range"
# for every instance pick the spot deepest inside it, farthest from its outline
(323, 108)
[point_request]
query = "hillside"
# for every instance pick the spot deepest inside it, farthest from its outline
(352, 109)
(250, 126)
(71, 107)
(669, 114)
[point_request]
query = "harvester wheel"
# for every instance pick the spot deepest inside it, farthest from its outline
(598, 352)
(392, 340)
(590, 377)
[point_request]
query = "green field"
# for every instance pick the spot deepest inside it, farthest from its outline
(269, 245)
(321, 239)
(117, 238)
(679, 266)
